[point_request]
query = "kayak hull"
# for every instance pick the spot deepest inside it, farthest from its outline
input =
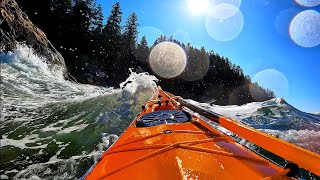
(189, 150)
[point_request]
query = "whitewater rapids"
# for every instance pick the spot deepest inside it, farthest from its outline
(52, 128)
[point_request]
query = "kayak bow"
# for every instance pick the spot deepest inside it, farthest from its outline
(169, 140)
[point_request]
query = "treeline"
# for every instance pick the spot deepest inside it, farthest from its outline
(101, 54)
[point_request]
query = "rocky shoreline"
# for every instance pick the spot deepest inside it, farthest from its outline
(15, 28)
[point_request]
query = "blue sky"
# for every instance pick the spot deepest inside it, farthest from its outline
(263, 47)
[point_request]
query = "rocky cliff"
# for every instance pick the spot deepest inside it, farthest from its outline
(15, 27)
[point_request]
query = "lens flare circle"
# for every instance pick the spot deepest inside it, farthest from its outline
(308, 3)
(196, 68)
(182, 36)
(225, 29)
(167, 60)
(222, 11)
(305, 28)
(283, 20)
(273, 80)
(236, 96)
(151, 33)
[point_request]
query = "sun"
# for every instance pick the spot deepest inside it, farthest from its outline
(198, 6)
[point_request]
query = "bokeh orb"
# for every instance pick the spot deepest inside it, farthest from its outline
(182, 35)
(151, 33)
(167, 60)
(283, 19)
(257, 93)
(305, 28)
(222, 11)
(308, 3)
(225, 29)
(273, 80)
(236, 96)
(196, 68)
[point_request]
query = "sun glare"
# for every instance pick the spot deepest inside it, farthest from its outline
(198, 6)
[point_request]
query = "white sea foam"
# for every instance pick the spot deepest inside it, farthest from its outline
(39, 105)
(29, 83)
(233, 111)
(288, 123)
(73, 128)
(137, 81)
(308, 139)
(22, 143)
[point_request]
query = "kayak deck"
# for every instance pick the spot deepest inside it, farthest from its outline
(187, 150)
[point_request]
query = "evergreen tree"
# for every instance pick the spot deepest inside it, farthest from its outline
(160, 39)
(112, 30)
(143, 50)
(131, 32)
(96, 36)
(112, 38)
(130, 35)
(97, 23)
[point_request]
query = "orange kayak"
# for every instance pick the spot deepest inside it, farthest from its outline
(170, 140)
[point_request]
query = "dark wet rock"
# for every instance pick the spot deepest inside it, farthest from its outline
(15, 28)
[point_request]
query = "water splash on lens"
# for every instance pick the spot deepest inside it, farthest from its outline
(167, 60)
(305, 28)
(308, 3)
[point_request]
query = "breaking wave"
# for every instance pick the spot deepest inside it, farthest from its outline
(277, 118)
(52, 128)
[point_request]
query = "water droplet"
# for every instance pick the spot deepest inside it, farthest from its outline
(167, 60)
(308, 3)
(305, 28)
